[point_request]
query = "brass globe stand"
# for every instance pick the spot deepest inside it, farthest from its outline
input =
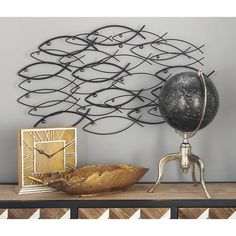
(185, 157)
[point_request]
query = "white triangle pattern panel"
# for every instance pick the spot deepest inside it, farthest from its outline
(136, 215)
(166, 215)
(105, 215)
(4, 214)
(207, 213)
(66, 215)
(233, 216)
(34, 214)
(124, 213)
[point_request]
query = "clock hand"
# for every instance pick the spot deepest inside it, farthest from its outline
(71, 142)
(42, 153)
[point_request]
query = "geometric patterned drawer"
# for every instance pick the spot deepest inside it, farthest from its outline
(124, 213)
(92, 213)
(35, 213)
(207, 213)
(155, 213)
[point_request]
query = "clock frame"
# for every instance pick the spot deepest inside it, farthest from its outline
(44, 152)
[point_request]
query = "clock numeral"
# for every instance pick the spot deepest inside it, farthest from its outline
(38, 175)
(40, 138)
(49, 135)
(33, 136)
(28, 166)
(70, 155)
(60, 135)
(28, 158)
(69, 167)
(46, 135)
(27, 145)
(52, 135)
(27, 173)
(69, 143)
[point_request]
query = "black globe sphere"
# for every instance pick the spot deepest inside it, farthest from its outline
(181, 101)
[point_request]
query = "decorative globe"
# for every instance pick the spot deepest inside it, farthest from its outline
(181, 101)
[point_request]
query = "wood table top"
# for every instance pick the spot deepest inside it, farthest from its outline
(137, 192)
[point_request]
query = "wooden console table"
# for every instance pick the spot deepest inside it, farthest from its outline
(181, 200)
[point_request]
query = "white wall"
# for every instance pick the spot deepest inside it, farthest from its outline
(141, 146)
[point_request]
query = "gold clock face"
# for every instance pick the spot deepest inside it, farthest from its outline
(44, 152)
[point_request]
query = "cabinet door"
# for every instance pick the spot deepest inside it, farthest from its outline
(35, 213)
(124, 213)
(207, 213)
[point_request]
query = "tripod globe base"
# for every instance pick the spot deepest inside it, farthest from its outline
(193, 159)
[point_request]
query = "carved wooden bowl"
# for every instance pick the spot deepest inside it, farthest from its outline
(95, 179)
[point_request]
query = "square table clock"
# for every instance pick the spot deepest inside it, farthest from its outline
(44, 152)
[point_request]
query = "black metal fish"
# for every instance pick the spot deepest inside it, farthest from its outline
(41, 109)
(76, 113)
(65, 48)
(132, 102)
(152, 37)
(101, 97)
(112, 74)
(165, 73)
(148, 114)
(28, 83)
(40, 75)
(103, 122)
(25, 98)
(87, 58)
(132, 82)
(109, 41)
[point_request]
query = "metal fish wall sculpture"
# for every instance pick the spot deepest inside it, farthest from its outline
(113, 73)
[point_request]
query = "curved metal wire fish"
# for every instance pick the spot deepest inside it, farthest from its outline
(169, 71)
(129, 57)
(98, 31)
(48, 90)
(165, 55)
(77, 73)
(156, 37)
(154, 81)
(39, 91)
(108, 110)
(144, 101)
(146, 109)
(24, 72)
(73, 40)
(100, 103)
(173, 52)
(96, 121)
(73, 61)
(83, 116)
(58, 52)
(35, 111)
